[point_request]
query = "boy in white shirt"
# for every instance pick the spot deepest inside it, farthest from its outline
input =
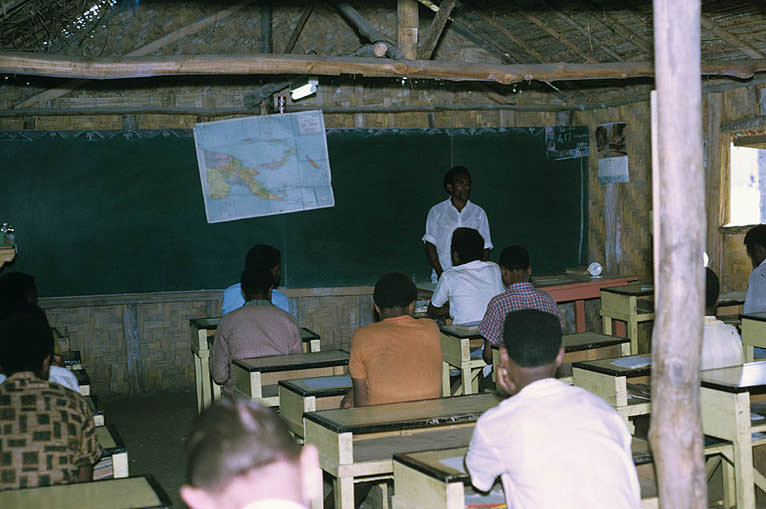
(721, 344)
(552, 445)
(755, 243)
(470, 284)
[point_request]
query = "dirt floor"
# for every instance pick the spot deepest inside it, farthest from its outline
(154, 427)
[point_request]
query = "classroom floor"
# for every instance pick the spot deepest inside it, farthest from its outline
(154, 427)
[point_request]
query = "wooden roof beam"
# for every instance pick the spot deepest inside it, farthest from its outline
(57, 66)
(728, 37)
(146, 49)
(435, 30)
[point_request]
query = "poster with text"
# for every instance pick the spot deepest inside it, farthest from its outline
(612, 153)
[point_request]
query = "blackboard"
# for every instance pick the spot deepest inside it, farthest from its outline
(102, 212)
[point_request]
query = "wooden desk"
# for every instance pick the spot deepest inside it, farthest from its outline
(83, 381)
(732, 303)
(725, 399)
(299, 396)
(7, 254)
(578, 288)
(72, 360)
(202, 335)
(114, 462)
(359, 443)
(631, 304)
(753, 334)
(422, 480)
(98, 415)
(581, 347)
(141, 492)
(257, 378)
(457, 343)
(605, 379)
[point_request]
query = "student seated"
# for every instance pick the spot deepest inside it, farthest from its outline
(755, 243)
(521, 294)
(398, 358)
(721, 344)
(469, 285)
(552, 444)
(259, 256)
(258, 329)
(240, 455)
(48, 434)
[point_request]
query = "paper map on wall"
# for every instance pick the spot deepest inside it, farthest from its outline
(259, 166)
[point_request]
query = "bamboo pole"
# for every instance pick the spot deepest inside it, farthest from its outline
(56, 66)
(676, 428)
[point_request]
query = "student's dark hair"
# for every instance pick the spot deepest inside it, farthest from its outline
(233, 437)
(532, 337)
(452, 174)
(468, 243)
(394, 290)
(756, 236)
(256, 281)
(712, 287)
(263, 256)
(514, 257)
(14, 288)
(25, 340)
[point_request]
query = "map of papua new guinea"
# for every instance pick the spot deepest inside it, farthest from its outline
(259, 166)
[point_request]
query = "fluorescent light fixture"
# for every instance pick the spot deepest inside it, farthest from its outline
(303, 88)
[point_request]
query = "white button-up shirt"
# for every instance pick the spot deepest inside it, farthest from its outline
(555, 446)
(444, 218)
(721, 345)
(468, 288)
(755, 298)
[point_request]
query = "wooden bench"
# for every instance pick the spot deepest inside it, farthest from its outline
(98, 415)
(457, 343)
(632, 304)
(358, 444)
(141, 492)
(202, 337)
(753, 334)
(299, 396)
(257, 378)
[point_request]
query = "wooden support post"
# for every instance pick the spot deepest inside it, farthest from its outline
(407, 16)
(435, 30)
(676, 428)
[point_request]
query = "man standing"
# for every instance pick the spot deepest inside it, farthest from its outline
(454, 212)
(48, 434)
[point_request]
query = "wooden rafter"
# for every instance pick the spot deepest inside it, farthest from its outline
(435, 30)
(298, 29)
(557, 35)
(143, 67)
(516, 39)
(585, 31)
(7, 6)
(146, 49)
(727, 36)
(603, 17)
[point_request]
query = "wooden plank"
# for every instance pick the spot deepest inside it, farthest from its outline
(435, 30)
(133, 348)
(407, 27)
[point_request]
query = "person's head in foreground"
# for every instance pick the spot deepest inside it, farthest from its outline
(531, 349)
(755, 243)
(26, 344)
(394, 295)
(467, 246)
(266, 257)
(240, 455)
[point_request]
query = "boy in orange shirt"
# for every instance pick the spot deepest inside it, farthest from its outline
(398, 358)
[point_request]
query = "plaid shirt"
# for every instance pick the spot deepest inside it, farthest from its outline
(518, 296)
(46, 433)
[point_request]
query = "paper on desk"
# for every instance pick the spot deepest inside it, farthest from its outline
(495, 499)
(455, 463)
(632, 362)
(328, 382)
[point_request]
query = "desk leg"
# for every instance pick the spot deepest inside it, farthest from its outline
(749, 352)
(580, 315)
(206, 378)
(743, 472)
(198, 380)
(606, 322)
(344, 492)
(446, 389)
(315, 345)
(633, 335)
(465, 376)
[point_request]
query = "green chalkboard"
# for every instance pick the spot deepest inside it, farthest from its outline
(101, 212)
